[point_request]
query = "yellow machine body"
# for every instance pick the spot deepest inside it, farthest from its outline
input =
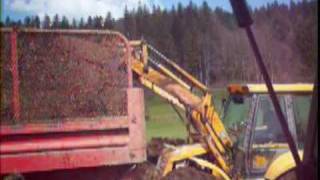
(283, 162)
(281, 165)
(261, 88)
(174, 84)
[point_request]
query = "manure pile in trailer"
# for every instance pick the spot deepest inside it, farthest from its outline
(64, 75)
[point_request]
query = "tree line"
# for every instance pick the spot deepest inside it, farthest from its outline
(57, 22)
(208, 43)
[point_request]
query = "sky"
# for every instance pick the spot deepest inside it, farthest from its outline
(18, 9)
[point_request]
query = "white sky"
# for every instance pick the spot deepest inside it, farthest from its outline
(73, 8)
(18, 9)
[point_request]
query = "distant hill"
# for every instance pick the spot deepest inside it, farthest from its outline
(208, 43)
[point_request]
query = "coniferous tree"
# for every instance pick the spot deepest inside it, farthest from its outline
(46, 24)
(108, 21)
(64, 23)
(19, 23)
(306, 35)
(126, 21)
(139, 21)
(177, 31)
(27, 21)
(97, 22)
(89, 24)
(35, 22)
(206, 43)
(56, 22)
(8, 21)
(130, 26)
(81, 23)
(74, 23)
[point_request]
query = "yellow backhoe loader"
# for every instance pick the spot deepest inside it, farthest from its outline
(271, 140)
(212, 149)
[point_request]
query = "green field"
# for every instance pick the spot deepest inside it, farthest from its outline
(163, 121)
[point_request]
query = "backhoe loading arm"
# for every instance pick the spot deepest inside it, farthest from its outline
(171, 82)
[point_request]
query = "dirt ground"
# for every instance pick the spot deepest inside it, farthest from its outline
(148, 171)
(187, 173)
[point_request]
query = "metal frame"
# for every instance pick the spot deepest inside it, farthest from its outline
(87, 142)
(248, 134)
(177, 89)
(310, 156)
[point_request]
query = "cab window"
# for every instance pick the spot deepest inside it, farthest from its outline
(301, 108)
(267, 127)
(267, 139)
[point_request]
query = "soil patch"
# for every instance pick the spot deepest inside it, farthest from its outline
(187, 173)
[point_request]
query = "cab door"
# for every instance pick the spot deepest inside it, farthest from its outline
(264, 134)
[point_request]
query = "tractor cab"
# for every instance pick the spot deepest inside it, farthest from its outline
(261, 138)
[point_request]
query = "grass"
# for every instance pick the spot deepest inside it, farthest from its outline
(163, 121)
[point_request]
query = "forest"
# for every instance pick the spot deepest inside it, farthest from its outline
(208, 43)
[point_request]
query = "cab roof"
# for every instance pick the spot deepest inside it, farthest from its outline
(244, 89)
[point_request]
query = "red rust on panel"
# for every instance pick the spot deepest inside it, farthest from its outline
(15, 76)
(82, 124)
(137, 123)
(69, 159)
(63, 142)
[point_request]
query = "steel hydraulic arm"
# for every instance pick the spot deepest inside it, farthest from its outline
(168, 80)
